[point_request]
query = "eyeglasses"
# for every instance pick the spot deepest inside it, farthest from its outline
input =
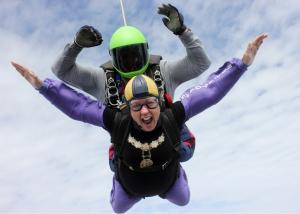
(151, 103)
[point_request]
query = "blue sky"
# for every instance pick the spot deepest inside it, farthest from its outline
(247, 155)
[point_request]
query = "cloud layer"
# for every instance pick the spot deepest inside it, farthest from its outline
(247, 154)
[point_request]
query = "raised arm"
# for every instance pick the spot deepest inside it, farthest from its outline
(196, 60)
(72, 103)
(198, 98)
(89, 79)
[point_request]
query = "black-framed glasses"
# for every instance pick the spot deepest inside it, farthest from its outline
(137, 105)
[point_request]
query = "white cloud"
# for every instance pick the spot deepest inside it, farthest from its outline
(247, 152)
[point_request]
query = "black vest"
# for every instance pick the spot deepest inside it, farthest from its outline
(119, 137)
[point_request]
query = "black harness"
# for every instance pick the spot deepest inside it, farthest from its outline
(113, 83)
(123, 123)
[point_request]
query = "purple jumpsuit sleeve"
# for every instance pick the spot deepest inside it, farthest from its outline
(74, 104)
(201, 97)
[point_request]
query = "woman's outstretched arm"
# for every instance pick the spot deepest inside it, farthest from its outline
(201, 97)
(74, 104)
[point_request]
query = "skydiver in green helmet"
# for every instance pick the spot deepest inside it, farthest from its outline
(130, 56)
(129, 52)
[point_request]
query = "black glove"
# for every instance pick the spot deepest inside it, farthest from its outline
(88, 36)
(174, 19)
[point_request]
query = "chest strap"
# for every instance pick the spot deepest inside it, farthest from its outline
(150, 169)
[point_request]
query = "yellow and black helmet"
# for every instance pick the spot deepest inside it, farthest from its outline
(139, 87)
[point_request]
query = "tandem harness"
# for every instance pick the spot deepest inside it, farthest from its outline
(119, 137)
(114, 85)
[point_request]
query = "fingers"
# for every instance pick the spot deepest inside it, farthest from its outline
(84, 27)
(29, 75)
(167, 10)
(16, 65)
(25, 72)
(19, 68)
(164, 10)
(22, 69)
(171, 7)
(97, 35)
(259, 39)
(256, 43)
(252, 48)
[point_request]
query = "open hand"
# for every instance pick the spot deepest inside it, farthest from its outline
(252, 49)
(172, 19)
(29, 75)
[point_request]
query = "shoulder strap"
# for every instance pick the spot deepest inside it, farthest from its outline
(154, 72)
(122, 124)
(112, 95)
(155, 59)
(154, 66)
(170, 128)
(107, 65)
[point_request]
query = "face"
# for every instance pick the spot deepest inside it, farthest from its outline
(145, 112)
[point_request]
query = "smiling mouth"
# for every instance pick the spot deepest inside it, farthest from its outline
(147, 120)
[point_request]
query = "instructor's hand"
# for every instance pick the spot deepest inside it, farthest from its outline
(29, 75)
(88, 36)
(173, 20)
(252, 49)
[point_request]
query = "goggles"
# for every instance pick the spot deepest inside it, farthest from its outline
(131, 57)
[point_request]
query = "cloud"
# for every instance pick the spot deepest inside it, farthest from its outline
(247, 152)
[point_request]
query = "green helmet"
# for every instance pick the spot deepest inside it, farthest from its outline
(129, 51)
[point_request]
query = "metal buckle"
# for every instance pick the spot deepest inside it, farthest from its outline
(164, 166)
(112, 93)
(158, 80)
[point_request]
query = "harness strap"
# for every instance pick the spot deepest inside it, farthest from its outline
(113, 94)
(122, 124)
(171, 129)
(151, 169)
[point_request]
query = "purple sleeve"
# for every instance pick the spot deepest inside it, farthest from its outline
(201, 97)
(74, 104)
